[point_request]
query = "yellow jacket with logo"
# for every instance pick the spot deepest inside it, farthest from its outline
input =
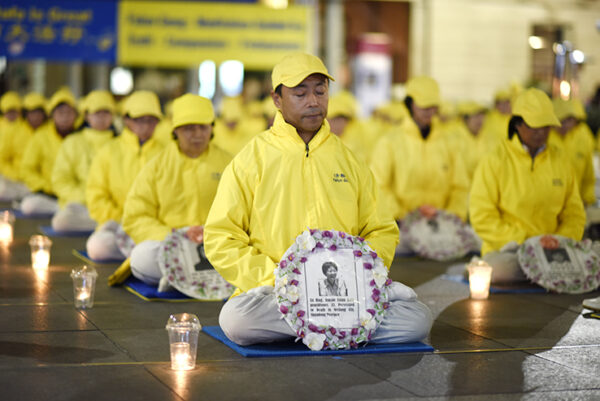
(412, 171)
(38, 158)
(12, 144)
(515, 197)
(73, 162)
(576, 145)
(173, 191)
(276, 188)
(112, 172)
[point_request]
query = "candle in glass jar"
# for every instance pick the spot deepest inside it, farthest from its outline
(480, 275)
(40, 259)
(181, 356)
(6, 233)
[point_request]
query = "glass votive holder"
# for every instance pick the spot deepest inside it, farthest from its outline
(40, 251)
(183, 331)
(480, 275)
(84, 285)
(7, 220)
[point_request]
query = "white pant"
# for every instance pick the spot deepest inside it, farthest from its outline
(12, 190)
(253, 317)
(144, 262)
(505, 267)
(74, 217)
(39, 204)
(102, 244)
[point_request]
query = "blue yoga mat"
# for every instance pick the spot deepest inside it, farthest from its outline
(291, 348)
(150, 292)
(50, 232)
(20, 215)
(512, 289)
(83, 255)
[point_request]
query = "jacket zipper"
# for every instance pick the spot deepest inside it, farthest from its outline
(306, 149)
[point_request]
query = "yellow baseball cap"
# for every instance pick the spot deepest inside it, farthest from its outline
(232, 109)
(99, 100)
(142, 103)
(579, 109)
(192, 109)
(33, 101)
(295, 67)
(535, 107)
(63, 95)
(563, 108)
(10, 101)
(342, 104)
(424, 91)
(470, 107)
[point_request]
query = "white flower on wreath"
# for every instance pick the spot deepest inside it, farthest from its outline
(315, 341)
(380, 273)
(293, 294)
(305, 241)
(280, 285)
(368, 321)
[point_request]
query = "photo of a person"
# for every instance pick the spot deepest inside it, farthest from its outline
(558, 259)
(331, 285)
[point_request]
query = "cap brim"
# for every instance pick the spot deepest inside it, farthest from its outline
(292, 82)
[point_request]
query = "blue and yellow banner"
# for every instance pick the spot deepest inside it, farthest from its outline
(60, 30)
(183, 34)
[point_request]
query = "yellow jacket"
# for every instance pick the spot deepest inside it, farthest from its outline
(412, 171)
(514, 197)
(233, 140)
(112, 172)
(12, 144)
(276, 188)
(38, 158)
(73, 162)
(474, 147)
(495, 125)
(173, 191)
(576, 145)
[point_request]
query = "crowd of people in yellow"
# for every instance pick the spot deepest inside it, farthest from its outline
(247, 181)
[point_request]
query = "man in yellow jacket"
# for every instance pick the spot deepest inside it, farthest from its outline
(525, 188)
(40, 154)
(73, 161)
(114, 169)
(282, 182)
(175, 189)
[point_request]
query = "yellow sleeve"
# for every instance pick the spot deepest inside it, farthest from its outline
(31, 167)
(571, 220)
(227, 244)
(377, 224)
(141, 210)
(6, 167)
(382, 166)
(101, 205)
(484, 212)
(459, 189)
(65, 182)
(588, 182)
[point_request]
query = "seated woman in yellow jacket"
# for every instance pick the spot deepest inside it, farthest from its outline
(342, 115)
(40, 154)
(73, 161)
(12, 128)
(525, 188)
(418, 165)
(176, 189)
(578, 145)
(114, 169)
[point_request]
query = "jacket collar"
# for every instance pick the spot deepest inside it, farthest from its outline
(283, 130)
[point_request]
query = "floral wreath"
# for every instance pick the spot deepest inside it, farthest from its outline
(466, 237)
(529, 261)
(289, 283)
(173, 268)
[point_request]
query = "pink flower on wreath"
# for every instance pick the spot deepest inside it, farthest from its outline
(353, 344)
(386, 305)
(283, 309)
(332, 330)
(313, 328)
(294, 282)
(312, 231)
(341, 334)
(371, 311)
(302, 259)
(375, 298)
(319, 245)
(325, 344)
(300, 313)
(296, 271)
(358, 254)
(300, 333)
(388, 282)
(333, 247)
(282, 264)
(361, 239)
(290, 257)
(372, 283)
(327, 234)
(376, 291)
(342, 234)
(367, 266)
(373, 254)
(170, 277)
(354, 331)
